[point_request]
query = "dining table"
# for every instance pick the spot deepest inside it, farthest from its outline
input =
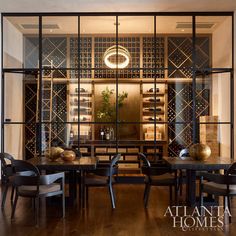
(74, 168)
(192, 166)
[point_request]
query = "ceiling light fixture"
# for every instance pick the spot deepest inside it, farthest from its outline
(121, 51)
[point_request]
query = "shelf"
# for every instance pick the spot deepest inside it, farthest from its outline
(153, 102)
(121, 143)
(152, 94)
(81, 94)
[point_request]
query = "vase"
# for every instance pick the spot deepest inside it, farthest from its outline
(200, 151)
(68, 155)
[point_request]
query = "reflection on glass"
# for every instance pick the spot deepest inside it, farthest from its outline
(105, 102)
(213, 95)
(19, 49)
(216, 136)
(55, 135)
(20, 140)
(220, 30)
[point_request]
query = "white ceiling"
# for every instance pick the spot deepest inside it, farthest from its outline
(115, 5)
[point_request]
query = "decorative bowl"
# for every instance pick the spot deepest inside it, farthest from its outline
(68, 155)
(54, 153)
(200, 151)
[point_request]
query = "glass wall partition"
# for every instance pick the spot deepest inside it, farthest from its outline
(151, 83)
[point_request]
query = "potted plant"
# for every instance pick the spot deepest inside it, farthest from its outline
(107, 111)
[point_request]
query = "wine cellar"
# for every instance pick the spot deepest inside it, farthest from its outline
(153, 104)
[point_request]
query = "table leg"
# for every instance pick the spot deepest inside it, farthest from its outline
(72, 187)
(82, 189)
(191, 187)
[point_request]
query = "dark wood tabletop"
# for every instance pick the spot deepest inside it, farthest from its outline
(212, 163)
(192, 166)
(83, 163)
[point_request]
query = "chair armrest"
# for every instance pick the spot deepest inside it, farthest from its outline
(219, 179)
(51, 178)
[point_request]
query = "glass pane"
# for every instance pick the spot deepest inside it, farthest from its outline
(105, 102)
(213, 96)
(214, 41)
(20, 42)
(154, 101)
(20, 94)
(179, 137)
(57, 31)
(20, 140)
(129, 132)
(216, 136)
(100, 32)
(180, 101)
(179, 45)
(55, 135)
(133, 31)
(129, 97)
(54, 98)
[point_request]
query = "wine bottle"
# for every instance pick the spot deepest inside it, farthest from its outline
(153, 99)
(112, 134)
(71, 134)
(152, 109)
(107, 134)
(151, 90)
(152, 119)
(82, 90)
(102, 134)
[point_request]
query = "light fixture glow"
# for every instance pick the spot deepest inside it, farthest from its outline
(113, 50)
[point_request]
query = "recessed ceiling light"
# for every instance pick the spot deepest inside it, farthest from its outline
(51, 30)
(182, 30)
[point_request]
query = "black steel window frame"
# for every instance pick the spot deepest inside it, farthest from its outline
(117, 15)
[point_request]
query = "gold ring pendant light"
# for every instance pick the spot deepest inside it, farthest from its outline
(111, 51)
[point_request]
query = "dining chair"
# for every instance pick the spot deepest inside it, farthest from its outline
(36, 186)
(219, 185)
(158, 174)
(6, 173)
(103, 176)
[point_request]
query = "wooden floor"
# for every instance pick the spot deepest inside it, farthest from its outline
(128, 219)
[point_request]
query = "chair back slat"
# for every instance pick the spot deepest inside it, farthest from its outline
(144, 159)
(158, 168)
(108, 168)
(113, 165)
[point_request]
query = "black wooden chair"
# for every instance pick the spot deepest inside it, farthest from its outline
(103, 176)
(36, 186)
(219, 185)
(6, 173)
(158, 174)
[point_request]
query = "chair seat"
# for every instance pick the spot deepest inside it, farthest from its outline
(96, 180)
(43, 189)
(221, 189)
(165, 179)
